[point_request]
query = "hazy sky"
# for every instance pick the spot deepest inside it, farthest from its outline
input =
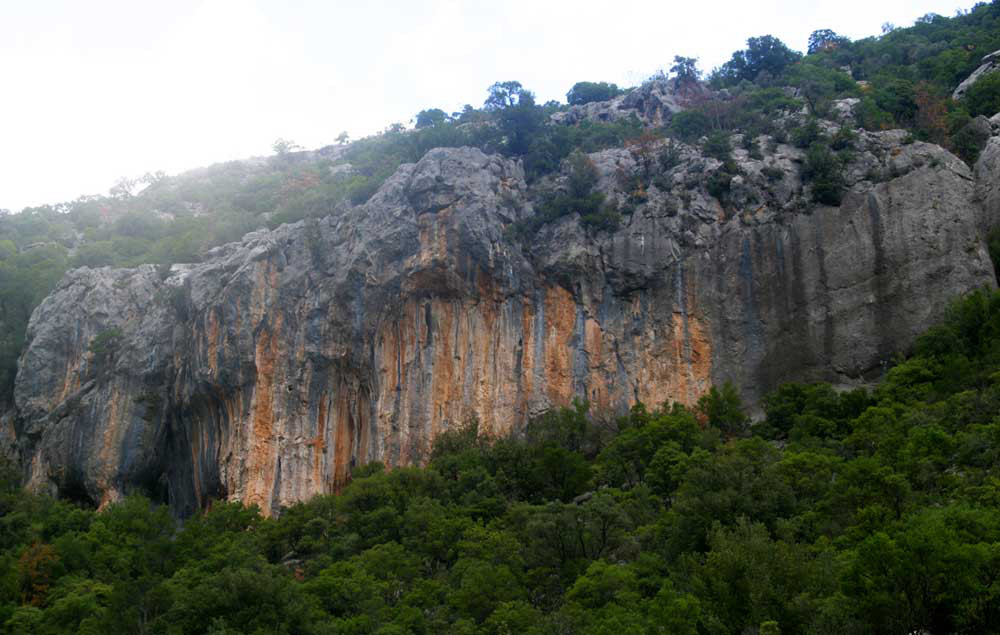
(94, 90)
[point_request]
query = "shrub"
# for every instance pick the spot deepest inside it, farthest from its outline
(871, 117)
(586, 92)
(717, 146)
(690, 124)
(580, 198)
(669, 157)
(969, 141)
(718, 184)
(772, 173)
(807, 134)
(824, 171)
(104, 346)
(983, 97)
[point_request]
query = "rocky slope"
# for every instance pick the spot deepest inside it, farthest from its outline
(268, 371)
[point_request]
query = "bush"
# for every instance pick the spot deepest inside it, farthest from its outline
(586, 92)
(580, 198)
(807, 134)
(969, 141)
(983, 97)
(717, 146)
(718, 184)
(104, 346)
(690, 124)
(823, 170)
(871, 117)
(772, 173)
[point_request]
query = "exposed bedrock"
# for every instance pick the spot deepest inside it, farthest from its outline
(266, 372)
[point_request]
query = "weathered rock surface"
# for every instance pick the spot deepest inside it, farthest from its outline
(266, 372)
(990, 64)
(653, 103)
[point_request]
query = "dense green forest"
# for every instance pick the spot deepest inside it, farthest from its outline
(902, 78)
(840, 512)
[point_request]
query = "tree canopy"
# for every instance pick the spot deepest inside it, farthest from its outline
(764, 54)
(586, 92)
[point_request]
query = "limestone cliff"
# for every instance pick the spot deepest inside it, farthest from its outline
(266, 372)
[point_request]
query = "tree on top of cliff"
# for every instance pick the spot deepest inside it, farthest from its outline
(281, 147)
(824, 40)
(506, 95)
(764, 54)
(586, 92)
(430, 117)
(685, 69)
(516, 114)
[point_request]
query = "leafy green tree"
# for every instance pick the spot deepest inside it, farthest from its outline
(690, 124)
(503, 95)
(515, 617)
(820, 84)
(431, 117)
(748, 578)
(685, 70)
(825, 40)
(723, 409)
(519, 124)
(764, 54)
(718, 147)
(824, 171)
(983, 97)
(586, 92)
(281, 147)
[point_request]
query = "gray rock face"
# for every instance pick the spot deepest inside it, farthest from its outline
(988, 185)
(653, 103)
(266, 372)
(991, 64)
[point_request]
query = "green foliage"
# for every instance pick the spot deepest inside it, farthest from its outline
(969, 141)
(764, 54)
(579, 197)
(871, 116)
(717, 146)
(586, 92)
(993, 245)
(519, 124)
(506, 95)
(685, 69)
(983, 97)
(690, 124)
(104, 346)
(819, 84)
(723, 409)
(772, 173)
(825, 40)
(825, 173)
(282, 147)
(430, 117)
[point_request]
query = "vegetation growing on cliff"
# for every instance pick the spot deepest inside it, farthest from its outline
(846, 512)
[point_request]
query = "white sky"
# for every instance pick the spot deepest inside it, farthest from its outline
(94, 90)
